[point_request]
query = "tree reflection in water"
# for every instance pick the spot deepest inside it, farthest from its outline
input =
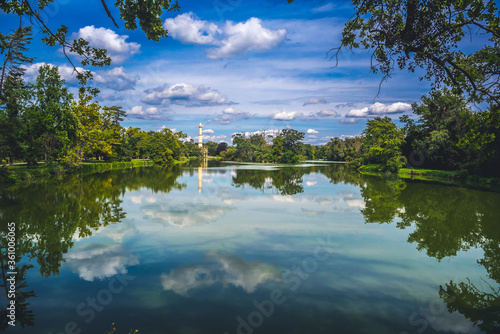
(49, 215)
(446, 220)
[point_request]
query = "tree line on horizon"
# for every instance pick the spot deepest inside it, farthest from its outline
(41, 121)
(442, 133)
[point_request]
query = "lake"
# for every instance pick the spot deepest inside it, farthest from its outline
(239, 248)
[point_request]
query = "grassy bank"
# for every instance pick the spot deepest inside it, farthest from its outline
(97, 167)
(23, 174)
(441, 176)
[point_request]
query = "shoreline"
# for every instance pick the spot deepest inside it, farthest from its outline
(447, 177)
(21, 174)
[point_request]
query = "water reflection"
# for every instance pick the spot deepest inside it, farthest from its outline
(188, 214)
(220, 268)
(480, 305)
(287, 181)
(50, 217)
(23, 312)
(264, 220)
(445, 221)
(99, 261)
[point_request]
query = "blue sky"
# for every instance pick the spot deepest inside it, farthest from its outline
(234, 66)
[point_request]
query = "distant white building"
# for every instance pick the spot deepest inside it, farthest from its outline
(200, 137)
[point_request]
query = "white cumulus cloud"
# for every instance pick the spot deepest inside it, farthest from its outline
(118, 47)
(188, 29)
(149, 113)
(286, 116)
(312, 131)
(272, 132)
(65, 72)
(225, 269)
(380, 109)
(244, 37)
(213, 138)
(99, 261)
(230, 40)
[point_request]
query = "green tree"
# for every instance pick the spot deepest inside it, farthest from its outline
(14, 47)
(286, 147)
(229, 154)
(428, 34)
(15, 98)
(244, 147)
(382, 144)
(310, 151)
(191, 149)
(111, 119)
(480, 307)
(221, 147)
(286, 181)
(342, 149)
(50, 122)
(211, 148)
(91, 138)
(13, 90)
(278, 148)
(166, 146)
(481, 141)
(132, 138)
(289, 158)
(292, 140)
(24, 315)
(438, 129)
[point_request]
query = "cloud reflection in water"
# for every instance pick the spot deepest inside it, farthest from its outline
(100, 261)
(224, 268)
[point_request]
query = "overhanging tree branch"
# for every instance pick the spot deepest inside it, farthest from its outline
(109, 13)
(428, 35)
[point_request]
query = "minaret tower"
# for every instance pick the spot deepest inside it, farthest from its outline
(200, 139)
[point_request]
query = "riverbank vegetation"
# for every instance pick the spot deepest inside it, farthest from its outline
(442, 134)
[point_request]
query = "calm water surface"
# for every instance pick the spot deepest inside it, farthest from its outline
(233, 248)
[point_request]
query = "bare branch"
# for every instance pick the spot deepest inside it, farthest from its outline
(109, 13)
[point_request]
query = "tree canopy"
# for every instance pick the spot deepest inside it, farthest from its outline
(382, 144)
(430, 35)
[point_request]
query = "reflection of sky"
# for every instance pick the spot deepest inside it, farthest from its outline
(226, 269)
(216, 251)
(98, 261)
